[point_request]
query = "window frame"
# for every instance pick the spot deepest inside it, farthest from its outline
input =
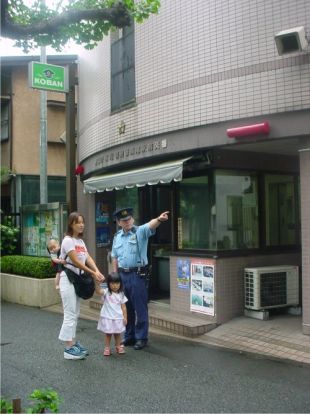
(262, 206)
(29, 181)
(122, 66)
(6, 103)
(262, 245)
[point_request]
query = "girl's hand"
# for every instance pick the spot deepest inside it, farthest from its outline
(125, 321)
(99, 276)
(99, 290)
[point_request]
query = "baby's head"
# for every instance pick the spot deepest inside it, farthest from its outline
(53, 246)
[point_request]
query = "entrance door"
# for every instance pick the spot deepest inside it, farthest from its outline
(105, 228)
(161, 244)
(281, 214)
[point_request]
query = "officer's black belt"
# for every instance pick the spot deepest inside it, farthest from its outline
(131, 269)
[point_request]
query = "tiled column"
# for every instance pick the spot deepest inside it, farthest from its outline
(305, 236)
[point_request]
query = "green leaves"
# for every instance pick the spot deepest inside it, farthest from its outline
(37, 267)
(84, 21)
(9, 236)
(4, 174)
(45, 398)
(6, 407)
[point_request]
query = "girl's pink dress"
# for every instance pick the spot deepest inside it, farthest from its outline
(111, 319)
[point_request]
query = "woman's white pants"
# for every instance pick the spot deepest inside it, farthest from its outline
(71, 307)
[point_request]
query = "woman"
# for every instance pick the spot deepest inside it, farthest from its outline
(74, 250)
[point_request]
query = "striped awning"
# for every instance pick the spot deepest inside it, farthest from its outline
(155, 174)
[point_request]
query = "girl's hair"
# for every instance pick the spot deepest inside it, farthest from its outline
(114, 277)
(73, 219)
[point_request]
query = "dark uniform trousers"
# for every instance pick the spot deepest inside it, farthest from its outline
(137, 312)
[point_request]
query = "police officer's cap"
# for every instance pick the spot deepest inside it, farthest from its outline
(123, 213)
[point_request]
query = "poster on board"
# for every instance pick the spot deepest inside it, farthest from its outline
(183, 273)
(202, 286)
(102, 236)
(102, 212)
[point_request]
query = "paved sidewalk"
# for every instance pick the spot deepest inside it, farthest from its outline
(278, 338)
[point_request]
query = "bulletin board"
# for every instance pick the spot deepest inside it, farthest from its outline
(40, 222)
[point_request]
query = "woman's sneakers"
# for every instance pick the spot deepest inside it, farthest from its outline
(82, 348)
(74, 353)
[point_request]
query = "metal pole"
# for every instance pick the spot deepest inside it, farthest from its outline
(70, 142)
(43, 135)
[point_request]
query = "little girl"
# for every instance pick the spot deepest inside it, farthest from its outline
(113, 314)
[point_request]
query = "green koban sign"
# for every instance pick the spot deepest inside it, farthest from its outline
(47, 77)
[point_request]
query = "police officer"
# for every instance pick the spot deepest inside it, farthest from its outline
(129, 258)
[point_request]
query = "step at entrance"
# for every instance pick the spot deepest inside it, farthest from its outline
(162, 317)
(180, 323)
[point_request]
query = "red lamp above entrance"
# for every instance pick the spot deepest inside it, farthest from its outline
(249, 130)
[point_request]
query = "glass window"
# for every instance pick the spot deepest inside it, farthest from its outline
(6, 83)
(163, 203)
(56, 189)
(123, 68)
(128, 198)
(236, 210)
(221, 211)
(194, 219)
(282, 212)
(4, 119)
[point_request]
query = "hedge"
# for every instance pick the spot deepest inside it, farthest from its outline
(37, 267)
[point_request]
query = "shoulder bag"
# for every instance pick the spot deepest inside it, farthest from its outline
(83, 283)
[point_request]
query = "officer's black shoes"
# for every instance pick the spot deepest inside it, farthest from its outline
(128, 342)
(140, 344)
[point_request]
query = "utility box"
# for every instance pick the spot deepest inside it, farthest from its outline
(271, 287)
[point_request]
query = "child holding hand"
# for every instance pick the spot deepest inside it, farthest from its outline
(113, 314)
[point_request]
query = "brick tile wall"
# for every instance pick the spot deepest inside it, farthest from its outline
(197, 62)
(305, 235)
(229, 293)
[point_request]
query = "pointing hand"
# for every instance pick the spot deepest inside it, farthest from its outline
(164, 216)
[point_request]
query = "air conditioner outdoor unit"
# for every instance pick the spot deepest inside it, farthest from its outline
(271, 287)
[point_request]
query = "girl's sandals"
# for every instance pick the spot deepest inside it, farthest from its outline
(120, 349)
(107, 351)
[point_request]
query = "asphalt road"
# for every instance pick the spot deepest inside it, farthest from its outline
(169, 376)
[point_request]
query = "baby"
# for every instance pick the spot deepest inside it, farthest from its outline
(53, 248)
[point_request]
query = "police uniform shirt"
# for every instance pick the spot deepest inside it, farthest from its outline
(130, 249)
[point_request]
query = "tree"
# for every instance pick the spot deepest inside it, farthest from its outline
(85, 22)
